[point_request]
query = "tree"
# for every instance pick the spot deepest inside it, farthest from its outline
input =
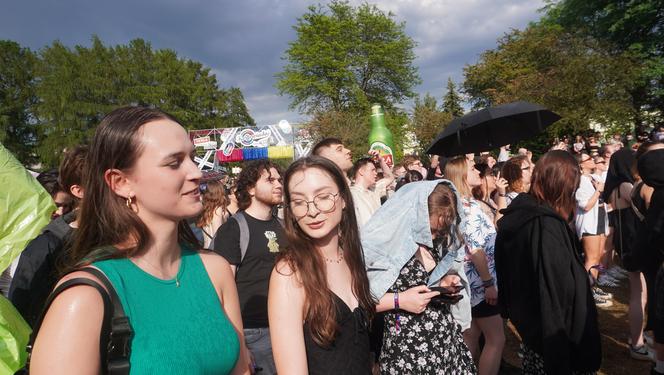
(17, 132)
(633, 27)
(77, 87)
(575, 76)
(353, 127)
(348, 58)
(452, 100)
(427, 121)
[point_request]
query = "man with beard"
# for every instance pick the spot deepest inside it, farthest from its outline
(250, 241)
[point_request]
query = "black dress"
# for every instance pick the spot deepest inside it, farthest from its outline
(349, 353)
(426, 343)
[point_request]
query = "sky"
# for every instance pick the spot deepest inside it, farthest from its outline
(243, 42)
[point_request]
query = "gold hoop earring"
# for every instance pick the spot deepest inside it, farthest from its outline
(129, 202)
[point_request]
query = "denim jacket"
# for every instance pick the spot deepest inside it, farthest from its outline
(397, 229)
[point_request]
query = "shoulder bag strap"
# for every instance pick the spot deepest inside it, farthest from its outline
(61, 288)
(118, 341)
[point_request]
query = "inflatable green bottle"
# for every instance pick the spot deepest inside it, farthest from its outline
(380, 137)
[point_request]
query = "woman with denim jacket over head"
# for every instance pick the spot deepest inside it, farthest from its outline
(412, 244)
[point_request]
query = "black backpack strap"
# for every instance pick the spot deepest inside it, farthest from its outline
(118, 341)
(61, 288)
(116, 331)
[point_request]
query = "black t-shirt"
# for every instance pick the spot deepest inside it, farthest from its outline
(266, 239)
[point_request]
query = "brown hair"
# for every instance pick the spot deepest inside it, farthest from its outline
(105, 219)
(325, 143)
(308, 263)
(442, 202)
(408, 160)
(71, 170)
(555, 180)
(248, 178)
(456, 170)
(513, 174)
(214, 197)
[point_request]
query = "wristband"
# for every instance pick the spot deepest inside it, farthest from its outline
(488, 283)
(397, 322)
(502, 195)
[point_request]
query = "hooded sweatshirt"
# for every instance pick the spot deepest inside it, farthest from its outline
(544, 289)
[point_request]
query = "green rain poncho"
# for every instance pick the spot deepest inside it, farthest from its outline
(25, 208)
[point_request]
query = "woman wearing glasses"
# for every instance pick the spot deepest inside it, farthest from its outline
(516, 171)
(319, 303)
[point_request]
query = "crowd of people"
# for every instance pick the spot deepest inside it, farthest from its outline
(336, 266)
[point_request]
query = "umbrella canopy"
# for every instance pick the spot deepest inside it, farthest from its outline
(492, 127)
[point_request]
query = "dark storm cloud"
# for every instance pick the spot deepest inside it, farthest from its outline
(243, 41)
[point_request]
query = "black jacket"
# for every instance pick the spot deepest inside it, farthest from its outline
(544, 288)
(36, 273)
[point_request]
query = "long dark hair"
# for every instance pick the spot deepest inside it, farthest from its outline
(555, 179)
(105, 219)
(303, 258)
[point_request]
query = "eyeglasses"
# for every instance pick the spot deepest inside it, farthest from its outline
(585, 161)
(323, 202)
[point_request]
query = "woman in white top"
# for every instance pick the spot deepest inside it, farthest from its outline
(591, 220)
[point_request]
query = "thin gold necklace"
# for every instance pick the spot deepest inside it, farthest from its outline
(340, 257)
(177, 280)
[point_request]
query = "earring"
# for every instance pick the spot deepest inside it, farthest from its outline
(129, 202)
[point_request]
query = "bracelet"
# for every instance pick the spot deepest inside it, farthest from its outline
(502, 195)
(397, 322)
(488, 283)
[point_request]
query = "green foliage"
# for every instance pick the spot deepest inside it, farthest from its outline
(427, 120)
(17, 97)
(575, 76)
(635, 27)
(353, 127)
(54, 100)
(346, 58)
(452, 100)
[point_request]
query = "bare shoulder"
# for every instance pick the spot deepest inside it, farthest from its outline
(213, 261)
(283, 274)
(79, 303)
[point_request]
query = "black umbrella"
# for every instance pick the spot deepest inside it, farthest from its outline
(492, 127)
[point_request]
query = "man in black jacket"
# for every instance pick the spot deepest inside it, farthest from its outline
(37, 270)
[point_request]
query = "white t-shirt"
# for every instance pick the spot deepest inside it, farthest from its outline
(368, 201)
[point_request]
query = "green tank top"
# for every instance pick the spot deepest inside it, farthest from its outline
(177, 329)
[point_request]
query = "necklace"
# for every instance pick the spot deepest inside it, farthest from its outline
(177, 280)
(340, 257)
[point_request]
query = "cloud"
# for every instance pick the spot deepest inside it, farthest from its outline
(243, 41)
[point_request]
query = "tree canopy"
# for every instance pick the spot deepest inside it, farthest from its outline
(17, 98)
(73, 88)
(575, 76)
(452, 100)
(634, 27)
(427, 120)
(348, 57)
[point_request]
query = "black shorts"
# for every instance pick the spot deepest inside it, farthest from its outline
(484, 310)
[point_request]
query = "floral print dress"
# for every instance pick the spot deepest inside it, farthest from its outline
(480, 233)
(426, 343)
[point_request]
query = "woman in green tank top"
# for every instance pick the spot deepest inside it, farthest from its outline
(182, 304)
